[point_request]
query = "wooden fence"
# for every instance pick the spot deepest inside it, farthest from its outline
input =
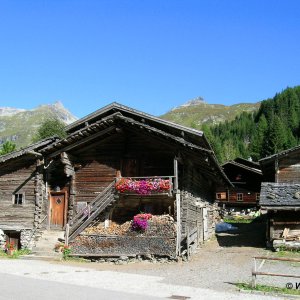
(255, 270)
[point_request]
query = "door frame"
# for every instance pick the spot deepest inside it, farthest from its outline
(54, 193)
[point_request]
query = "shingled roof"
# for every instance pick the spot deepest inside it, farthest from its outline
(281, 154)
(31, 149)
(108, 120)
(280, 195)
(242, 163)
(195, 136)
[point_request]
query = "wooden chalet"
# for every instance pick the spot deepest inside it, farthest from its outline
(280, 197)
(22, 208)
(246, 176)
(73, 184)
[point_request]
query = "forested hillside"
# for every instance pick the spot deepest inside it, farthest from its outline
(271, 129)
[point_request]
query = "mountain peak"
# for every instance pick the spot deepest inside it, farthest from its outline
(193, 102)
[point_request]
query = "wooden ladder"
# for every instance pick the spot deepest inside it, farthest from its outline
(84, 218)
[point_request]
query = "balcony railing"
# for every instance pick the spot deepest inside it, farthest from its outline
(147, 185)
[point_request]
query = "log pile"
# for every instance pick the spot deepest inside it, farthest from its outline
(113, 229)
(160, 225)
(121, 240)
(291, 235)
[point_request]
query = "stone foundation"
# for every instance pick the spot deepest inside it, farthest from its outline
(27, 239)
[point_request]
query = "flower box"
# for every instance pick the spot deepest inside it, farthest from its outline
(145, 186)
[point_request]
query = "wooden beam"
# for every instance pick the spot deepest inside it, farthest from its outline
(83, 141)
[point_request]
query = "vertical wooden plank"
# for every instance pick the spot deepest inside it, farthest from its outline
(178, 217)
(67, 234)
(254, 273)
(175, 174)
(188, 243)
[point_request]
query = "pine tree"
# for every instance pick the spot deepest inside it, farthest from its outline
(50, 127)
(7, 147)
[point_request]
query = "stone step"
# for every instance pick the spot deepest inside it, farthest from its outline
(45, 245)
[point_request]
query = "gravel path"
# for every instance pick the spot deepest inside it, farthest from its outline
(218, 265)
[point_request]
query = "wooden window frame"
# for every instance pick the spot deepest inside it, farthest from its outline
(14, 198)
(238, 195)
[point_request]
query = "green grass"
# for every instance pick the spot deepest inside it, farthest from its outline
(16, 254)
(238, 220)
(288, 253)
(268, 289)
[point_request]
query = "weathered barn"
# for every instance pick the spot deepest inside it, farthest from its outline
(22, 208)
(246, 176)
(280, 197)
(119, 162)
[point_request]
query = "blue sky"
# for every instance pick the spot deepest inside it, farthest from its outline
(151, 55)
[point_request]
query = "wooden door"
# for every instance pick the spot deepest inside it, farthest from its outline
(57, 210)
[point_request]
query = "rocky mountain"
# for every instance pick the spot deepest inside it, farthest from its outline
(196, 112)
(20, 125)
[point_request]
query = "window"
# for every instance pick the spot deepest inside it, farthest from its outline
(257, 196)
(221, 196)
(19, 199)
(239, 196)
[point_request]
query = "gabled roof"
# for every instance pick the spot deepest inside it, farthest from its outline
(188, 133)
(107, 121)
(247, 162)
(31, 149)
(243, 164)
(281, 154)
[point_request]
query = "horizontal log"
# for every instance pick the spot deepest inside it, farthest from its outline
(277, 258)
(275, 274)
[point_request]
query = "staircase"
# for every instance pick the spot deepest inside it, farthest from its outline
(84, 218)
(44, 249)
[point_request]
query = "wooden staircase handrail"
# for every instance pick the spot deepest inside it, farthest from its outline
(83, 219)
(91, 204)
(91, 218)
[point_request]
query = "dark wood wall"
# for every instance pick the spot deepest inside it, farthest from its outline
(289, 169)
(17, 177)
(96, 164)
(194, 180)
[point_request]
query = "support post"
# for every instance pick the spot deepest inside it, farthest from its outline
(178, 217)
(254, 273)
(175, 174)
(67, 234)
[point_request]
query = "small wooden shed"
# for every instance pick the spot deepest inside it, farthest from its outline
(280, 197)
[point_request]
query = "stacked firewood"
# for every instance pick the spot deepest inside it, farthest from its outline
(159, 225)
(291, 235)
(113, 229)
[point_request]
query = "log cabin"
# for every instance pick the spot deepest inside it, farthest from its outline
(21, 194)
(246, 176)
(280, 198)
(114, 164)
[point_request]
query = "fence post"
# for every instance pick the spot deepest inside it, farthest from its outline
(253, 284)
(188, 244)
(67, 234)
(197, 230)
